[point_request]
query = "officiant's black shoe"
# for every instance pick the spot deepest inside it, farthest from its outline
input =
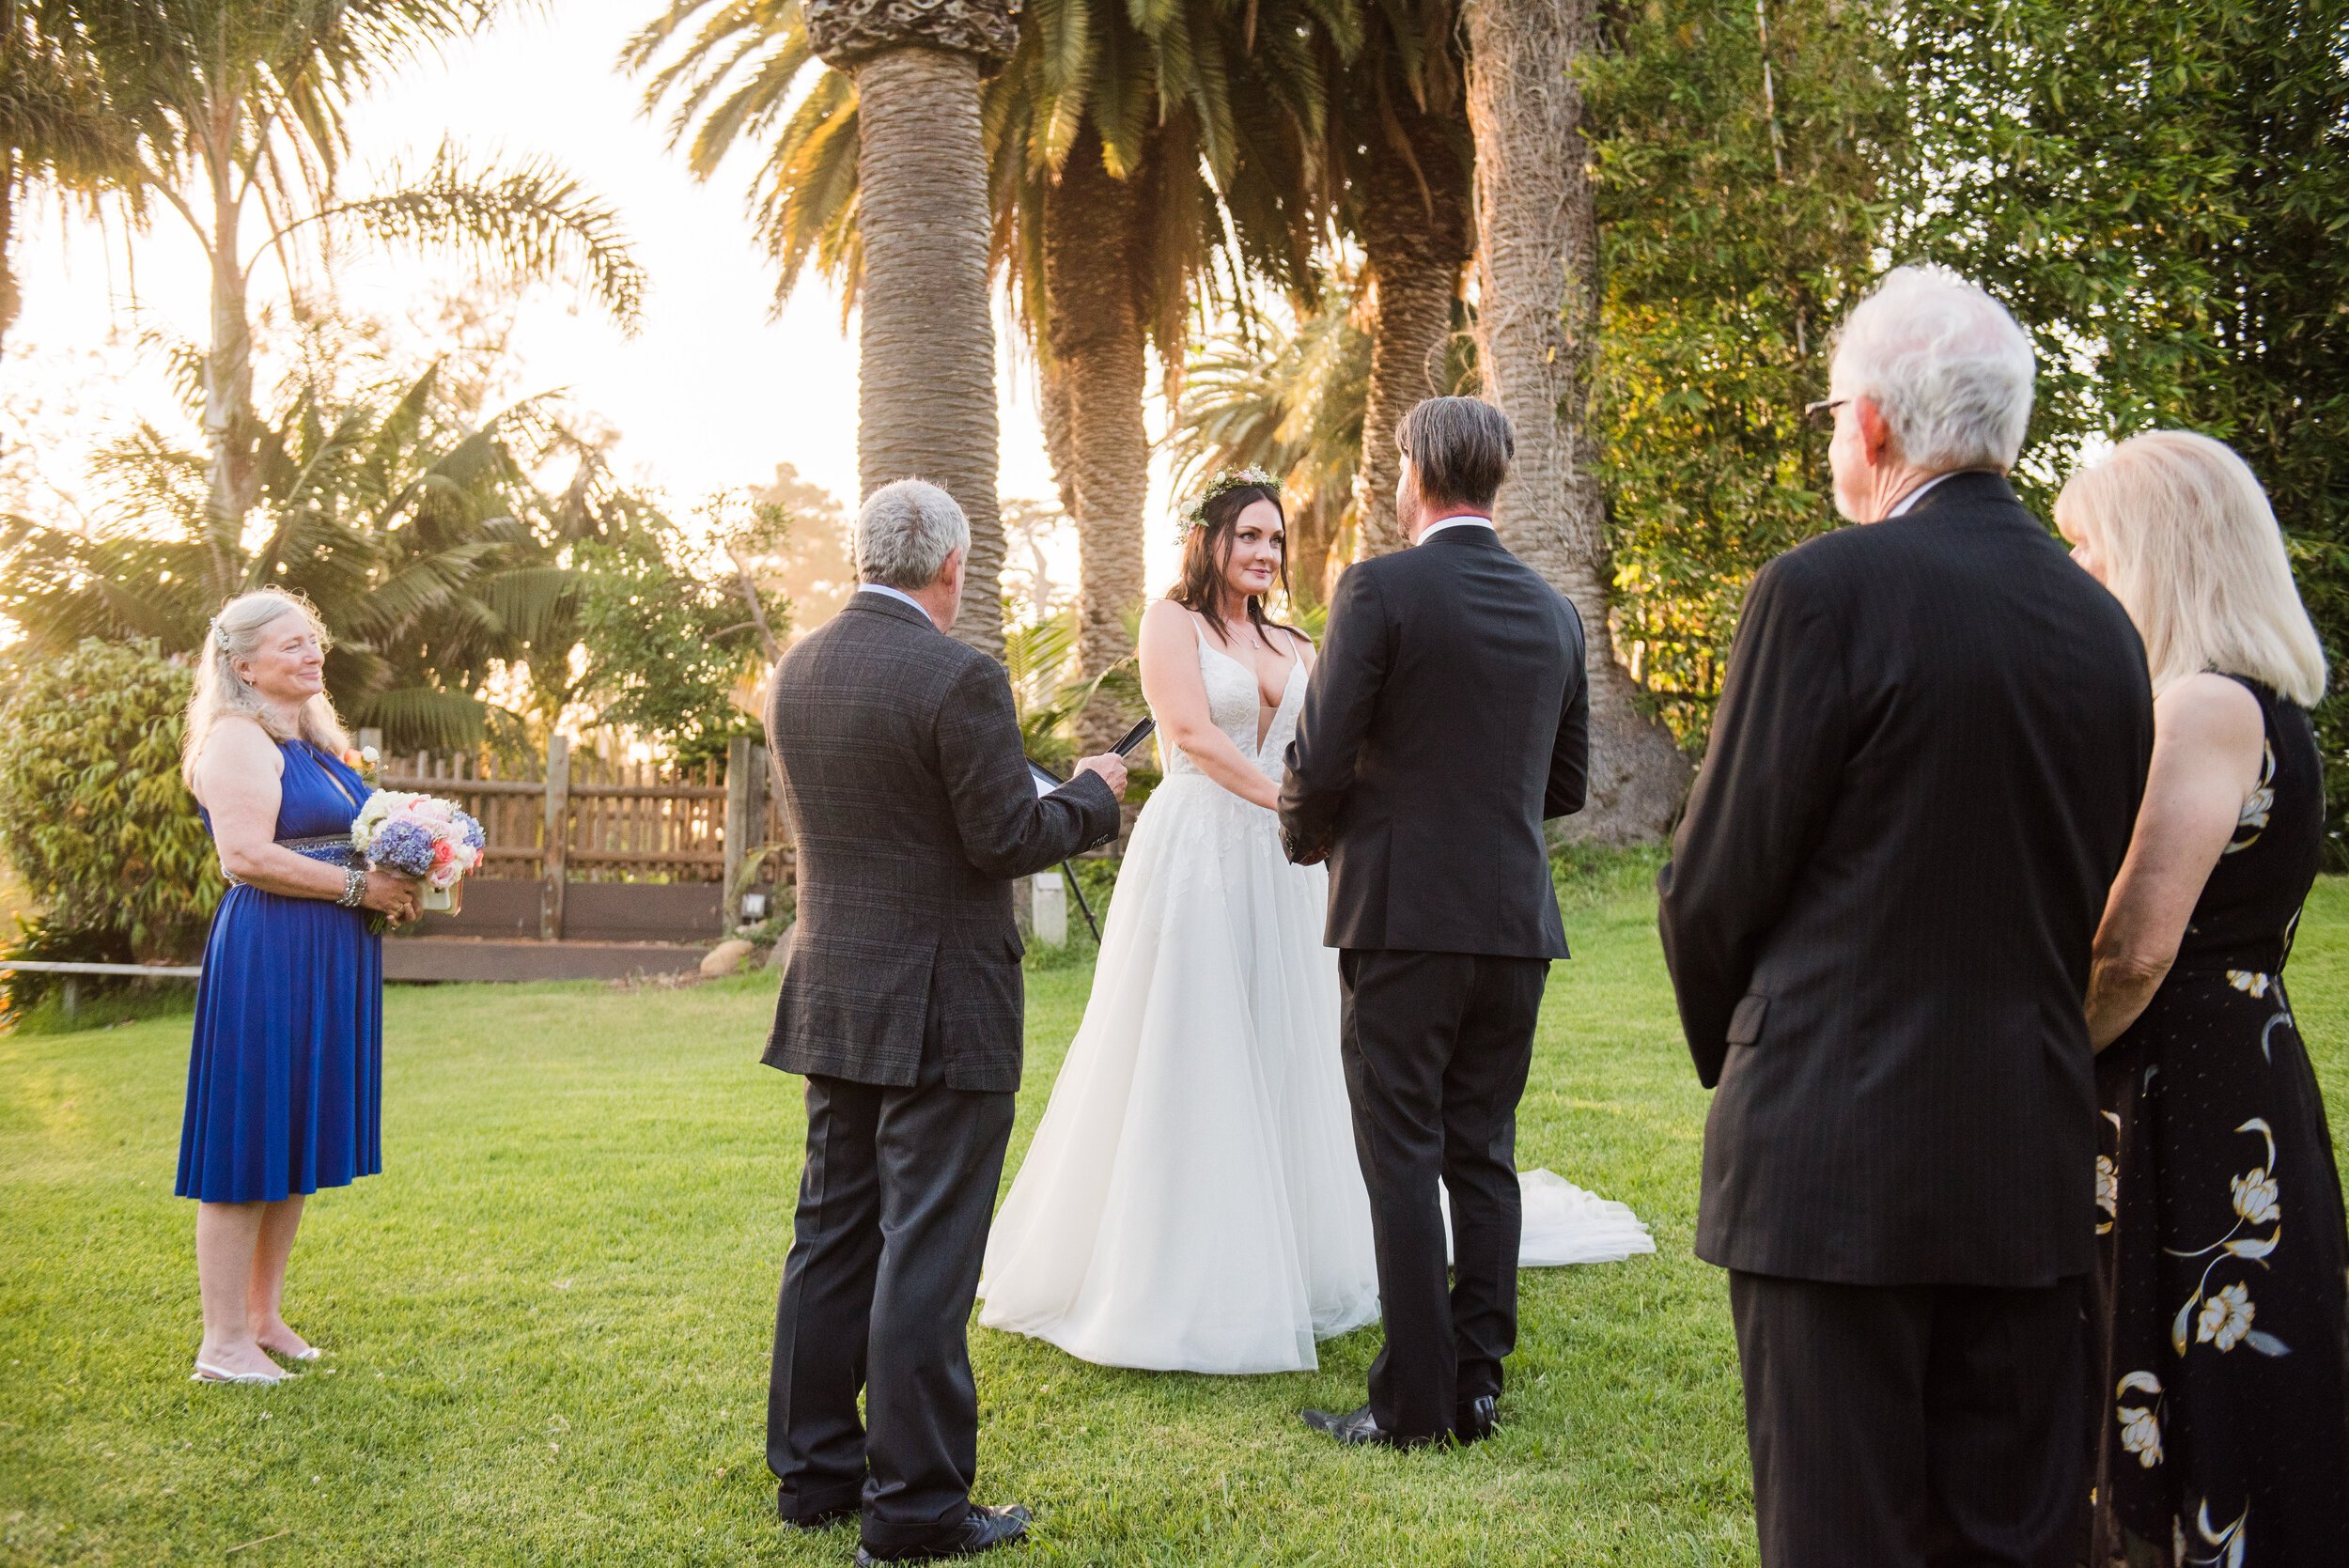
(1476, 1421)
(983, 1530)
(1357, 1429)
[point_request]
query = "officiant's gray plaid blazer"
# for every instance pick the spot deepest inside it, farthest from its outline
(912, 808)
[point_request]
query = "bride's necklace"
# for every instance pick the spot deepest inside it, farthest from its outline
(1244, 632)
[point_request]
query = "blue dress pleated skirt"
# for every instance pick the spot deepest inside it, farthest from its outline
(286, 1073)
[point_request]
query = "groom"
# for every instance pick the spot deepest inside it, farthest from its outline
(1446, 720)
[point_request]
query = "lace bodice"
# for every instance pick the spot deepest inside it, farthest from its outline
(1232, 703)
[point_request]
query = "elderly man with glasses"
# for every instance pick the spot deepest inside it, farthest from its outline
(1879, 915)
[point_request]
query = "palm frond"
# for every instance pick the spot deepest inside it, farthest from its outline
(533, 223)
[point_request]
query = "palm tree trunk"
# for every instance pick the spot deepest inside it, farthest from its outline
(1415, 236)
(1537, 326)
(10, 301)
(926, 372)
(1052, 406)
(1313, 539)
(1091, 255)
(229, 419)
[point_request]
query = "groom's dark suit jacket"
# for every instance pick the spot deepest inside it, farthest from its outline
(1447, 718)
(1921, 778)
(912, 808)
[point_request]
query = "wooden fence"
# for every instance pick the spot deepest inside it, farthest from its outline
(575, 826)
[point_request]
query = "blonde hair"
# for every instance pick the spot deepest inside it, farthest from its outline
(2190, 548)
(221, 693)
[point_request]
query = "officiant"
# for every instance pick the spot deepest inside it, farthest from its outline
(911, 803)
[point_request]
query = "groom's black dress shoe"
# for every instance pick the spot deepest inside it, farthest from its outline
(983, 1530)
(1476, 1421)
(1359, 1428)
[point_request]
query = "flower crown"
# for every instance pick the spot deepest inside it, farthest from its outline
(1231, 479)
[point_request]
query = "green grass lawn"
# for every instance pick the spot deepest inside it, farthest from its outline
(548, 1321)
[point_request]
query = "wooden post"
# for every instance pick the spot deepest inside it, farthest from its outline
(555, 855)
(737, 826)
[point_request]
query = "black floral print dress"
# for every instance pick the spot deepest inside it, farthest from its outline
(2223, 1432)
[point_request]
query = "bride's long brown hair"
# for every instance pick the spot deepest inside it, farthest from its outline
(1207, 555)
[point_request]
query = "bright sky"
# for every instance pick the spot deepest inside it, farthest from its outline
(710, 393)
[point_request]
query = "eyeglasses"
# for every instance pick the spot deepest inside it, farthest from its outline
(1822, 411)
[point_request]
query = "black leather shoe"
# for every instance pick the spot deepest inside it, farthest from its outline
(822, 1520)
(1476, 1421)
(983, 1530)
(1359, 1428)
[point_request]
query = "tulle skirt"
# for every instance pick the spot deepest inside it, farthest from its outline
(1193, 1201)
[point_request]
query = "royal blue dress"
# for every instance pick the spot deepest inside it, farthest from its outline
(286, 1076)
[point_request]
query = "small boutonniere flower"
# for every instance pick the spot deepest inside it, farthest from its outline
(363, 760)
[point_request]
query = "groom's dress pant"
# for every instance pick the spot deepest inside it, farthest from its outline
(894, 1204)
(1915, 1426)
(1436, 1047)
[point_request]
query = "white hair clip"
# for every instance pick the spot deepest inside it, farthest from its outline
(220, 634)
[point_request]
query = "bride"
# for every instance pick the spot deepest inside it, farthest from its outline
(1192, 1200)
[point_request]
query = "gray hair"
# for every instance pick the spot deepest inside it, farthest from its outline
(222, 693)
(905, 532)
(1948, 366)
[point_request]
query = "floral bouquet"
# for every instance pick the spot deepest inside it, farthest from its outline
(422, 836)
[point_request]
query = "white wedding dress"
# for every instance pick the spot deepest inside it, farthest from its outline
(1192, 1199)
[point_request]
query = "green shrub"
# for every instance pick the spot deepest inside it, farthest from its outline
(92, 812)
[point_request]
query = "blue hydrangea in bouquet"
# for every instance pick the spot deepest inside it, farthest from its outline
(421, 836)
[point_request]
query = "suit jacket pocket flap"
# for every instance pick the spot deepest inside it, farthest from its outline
(1745, 1024)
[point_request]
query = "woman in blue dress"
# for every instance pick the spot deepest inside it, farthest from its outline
(284, 1080)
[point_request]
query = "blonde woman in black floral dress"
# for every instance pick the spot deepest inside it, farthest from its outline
(2223, 1323)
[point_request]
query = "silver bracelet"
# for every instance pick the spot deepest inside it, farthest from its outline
(354, 886)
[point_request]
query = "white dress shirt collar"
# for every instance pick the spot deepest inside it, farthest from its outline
(898, 593)
(1466, 519)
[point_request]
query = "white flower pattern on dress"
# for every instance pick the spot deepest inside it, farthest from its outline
(2257, 1197)
(2226, 1317)
(2248, 982)
(2108, 1193)
(2257, 806)
(2140, 1425)
(2227, 1545)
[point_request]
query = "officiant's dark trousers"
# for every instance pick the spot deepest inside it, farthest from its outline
(894, 1204)
(1436, 1046)
(1915, 1426)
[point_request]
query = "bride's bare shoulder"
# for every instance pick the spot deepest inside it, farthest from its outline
(1169, 626)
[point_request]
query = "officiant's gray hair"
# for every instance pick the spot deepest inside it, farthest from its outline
(905, 532)
(222, 692)
(1949, 369)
